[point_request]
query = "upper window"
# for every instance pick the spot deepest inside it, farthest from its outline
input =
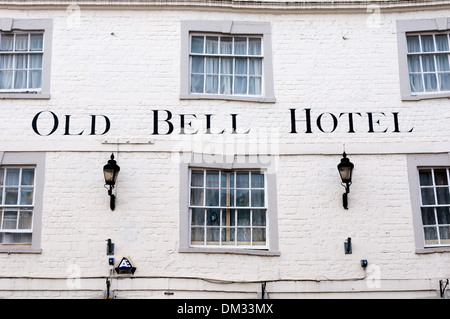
(429, 62)
(21, 61)
(424, 58)
(226, 60)
(25, 51)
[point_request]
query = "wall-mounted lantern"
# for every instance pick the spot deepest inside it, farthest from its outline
(111, 171)
(345, 168)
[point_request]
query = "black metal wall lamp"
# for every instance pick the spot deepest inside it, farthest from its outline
(111, 171)
(345, 168)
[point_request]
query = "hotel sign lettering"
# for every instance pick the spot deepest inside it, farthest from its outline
(46, 123)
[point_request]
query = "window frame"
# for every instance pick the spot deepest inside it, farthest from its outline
(25, 160)
(230, 29)
(211, 162)
(414, 163)
(420, 26)
(44, 26)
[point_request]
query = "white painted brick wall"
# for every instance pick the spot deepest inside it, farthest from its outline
(125, 63)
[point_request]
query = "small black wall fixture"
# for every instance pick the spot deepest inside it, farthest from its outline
(111, 171)
(345, 168)
(348, 246)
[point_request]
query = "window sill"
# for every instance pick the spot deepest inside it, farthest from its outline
(431, 250)
(235, 251)
(24, 96)
(419, 97)
(227, 98)
(13, 249)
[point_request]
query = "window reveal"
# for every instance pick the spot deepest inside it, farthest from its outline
(228, 208)
(435, 205)
(16, 205)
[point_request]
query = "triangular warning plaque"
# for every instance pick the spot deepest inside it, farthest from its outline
(125, 267)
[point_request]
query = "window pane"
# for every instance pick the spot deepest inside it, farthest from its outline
(26, 196)
(427, 43)
(212, 65)
(25, 220)
(240, 85)
(197, 83)
(212, 179)
(212, 84)
(259, 236)
(213, 217)
(212, 44)
(259, 217)
(212, 236)
(255, 66)
(2, 176)
(9, 220)
(425, 177)
(1, 195)
(20, 81)
(197, 235)
(12, 177)
(440, 177)
(242, 180)
(442, 62)
(197, 64)
(197, 44)
(415, 83)
(227, 197)
(254, 46)
(227, 178)
(413, 43)
(6, 43)
(427, 196)
(226, 84)
(11, 195)
(6, 61)
(428, 216)
(198, 216)
(21, 61)
(243, 217)
(257, 180)
(443, 215)
(414, 63)
(428, 63)
(254, 85)
(240, 46)
(36, 61)
(226, 66)
(197, 178)
(240, 66)
(443, 196)
(430, 82)
(243, 235)
(444, 80)
(36, 41)
(444, 234)
(242, 197)
(27, 176)
(430, 235)
(226, 45)
(35, 79)
(196, 197)
(212, 197)
(441, 42)
(21, 42)
(257, 198)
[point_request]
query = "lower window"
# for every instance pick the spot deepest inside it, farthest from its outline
(16, 205)
(435, 205)
(227, 208)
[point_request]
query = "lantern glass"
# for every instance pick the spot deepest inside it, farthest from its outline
(345, 168)
(111, 171)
